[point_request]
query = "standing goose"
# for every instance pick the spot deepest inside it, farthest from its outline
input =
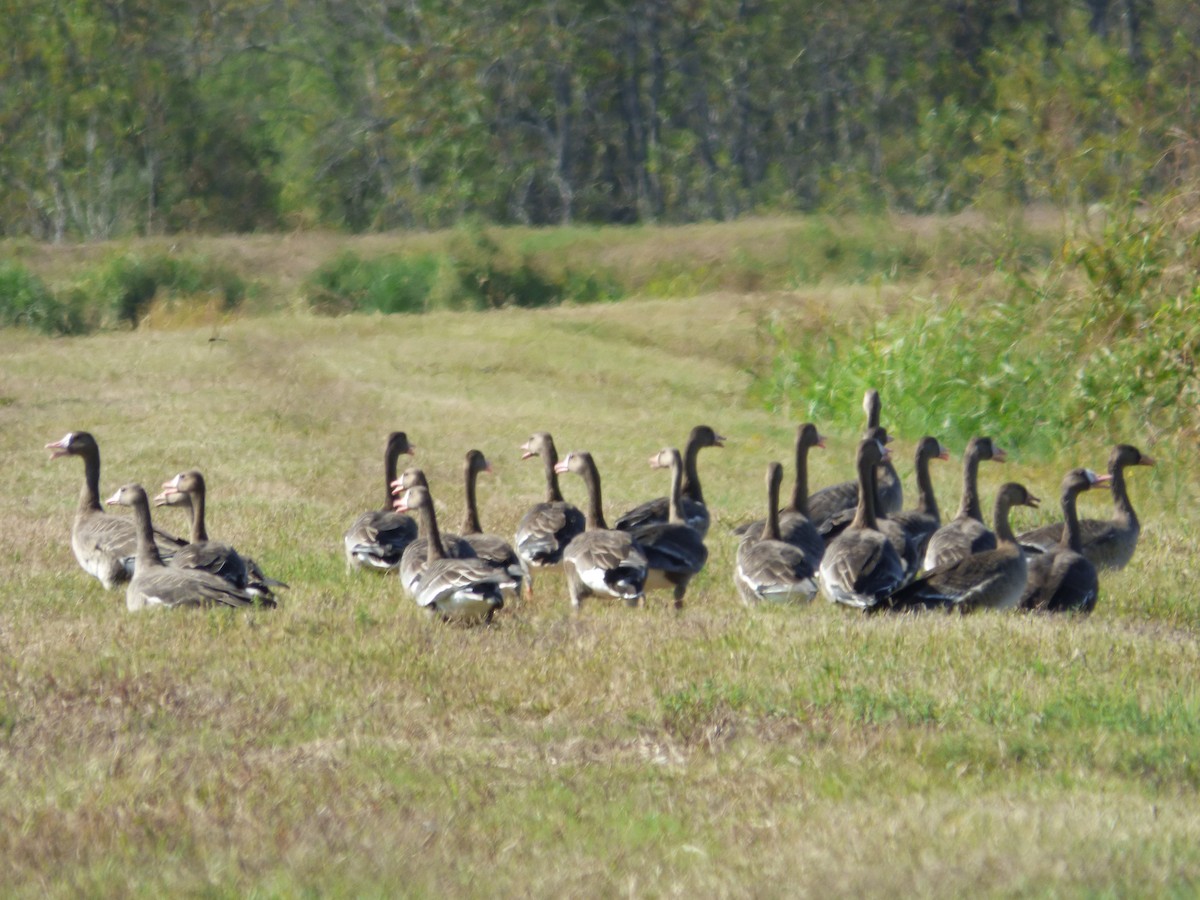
(965, 533)
(861, 566)
(795, 527)
(1107, 543)
(843, 497)
(693, 508)
(491, 548)
(104, 544)
(920, 524)
(188, 489)
(992, 579)
(378, 537)
(674, 550)
(769, 569)
(546, 528)
(412, 561)
(600, 560)
(467, 590)
(1062, 579)
(155, 584)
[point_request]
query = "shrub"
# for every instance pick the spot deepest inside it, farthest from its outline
(126, 285)
(389, 284)
(26, 301)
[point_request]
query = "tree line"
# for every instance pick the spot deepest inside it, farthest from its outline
(134, 117)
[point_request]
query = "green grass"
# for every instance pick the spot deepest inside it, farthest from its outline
(342, 745)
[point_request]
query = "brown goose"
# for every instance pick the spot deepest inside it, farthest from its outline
(187, 489)
(491, 548)
(843, 497)
(919, 524)
(965, 533)
(378, 537)
(769, 569)
(104, 544)
(674, 550)
(467, 590)
(695, 512)
(412, 561)
(795, 527)
(601, 560)
(155, 584)
(546, 528)
(992, 579)
(1107, 543)
(1061, 579)
(861, 566)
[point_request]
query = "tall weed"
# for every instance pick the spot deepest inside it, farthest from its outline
(26, 301)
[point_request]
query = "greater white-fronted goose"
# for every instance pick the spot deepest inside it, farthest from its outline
(104, 544)
(491, 548)
(188, 489)
(965, 533)
(992, 579)
(828, 502)
(546, 528)
(412, 561)
(695, 511)
(675, 551)
(771, 570)
(919, 524)
(1061, 579)
(156, 584)
(861, 566)
(1107, 543)
(600, 561)
(378, 537)
(468, 589)
(795, 527)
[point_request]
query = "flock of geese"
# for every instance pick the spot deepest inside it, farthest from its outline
(854, 542)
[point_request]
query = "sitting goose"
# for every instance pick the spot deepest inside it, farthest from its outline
(491, 548)
(1061, 579)
(188, 489)
(861, 566)
(992, 579)
(155, 584)
(920, 524)
(693, 508)
(965, 533)
(1107, 543)
(467, 590)
(546, 528)
(412, 561)
(378, 537)
(600, 560)
(104, 544)
(674, 550)
(843, 497)
(795, 527)
(769, 569)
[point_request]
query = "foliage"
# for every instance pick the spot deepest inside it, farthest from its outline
(27, 302)
(126, 285)
(388, 284)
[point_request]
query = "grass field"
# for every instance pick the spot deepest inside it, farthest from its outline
(343, 745)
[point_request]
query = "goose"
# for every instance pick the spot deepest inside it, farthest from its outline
(546, 528)
(104, 544)
(861, 566)
(693, 508)
(491, 548)
(920, 523)
(189, 489)
(378, 537)
(843, 497)
(770, 569)
(467, 590)
(965, 533)
(600, 560)
(795, 527)
(991, 579)
(674, 551)
(156, 584)
(1107, 543)
(1062, 578)
(412, 561)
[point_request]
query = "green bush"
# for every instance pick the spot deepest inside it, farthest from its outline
(25, 301)
(389, 284)
(125, 286)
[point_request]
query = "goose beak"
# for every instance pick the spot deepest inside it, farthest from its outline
(1033, 501)
(1101, 480)
(561, 467)
(1146, 460)
(718, 441)
(821, 441)
(59, 448)
(944, 455)
(999, 455)
(114, 499)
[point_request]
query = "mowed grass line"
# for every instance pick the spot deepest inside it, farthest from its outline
(343, 745)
